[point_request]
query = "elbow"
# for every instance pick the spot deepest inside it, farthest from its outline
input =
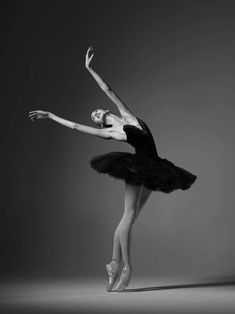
(76, 127)
(106, 88)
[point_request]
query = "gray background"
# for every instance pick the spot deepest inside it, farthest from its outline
(172, 62)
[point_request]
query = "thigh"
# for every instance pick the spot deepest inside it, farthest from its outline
(144, 197)
(132, 198)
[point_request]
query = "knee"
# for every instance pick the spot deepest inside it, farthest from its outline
(130, 216)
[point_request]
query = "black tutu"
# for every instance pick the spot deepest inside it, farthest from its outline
(156, 175)
(144, 167)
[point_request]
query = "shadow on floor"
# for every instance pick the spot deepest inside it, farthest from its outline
(183, 286)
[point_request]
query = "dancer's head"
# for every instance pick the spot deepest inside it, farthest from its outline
(98, 116)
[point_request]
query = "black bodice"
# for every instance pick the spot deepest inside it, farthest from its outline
(144, 167)
(141, 140)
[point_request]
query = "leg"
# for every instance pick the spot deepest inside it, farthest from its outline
(117, 254)
(132, 199)
(144, 197)
(135, 199)
(145, 193)
(122, 237)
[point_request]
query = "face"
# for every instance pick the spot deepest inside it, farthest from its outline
(98, 115)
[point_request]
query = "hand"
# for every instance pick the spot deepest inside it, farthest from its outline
(38, 114)
(89, 58)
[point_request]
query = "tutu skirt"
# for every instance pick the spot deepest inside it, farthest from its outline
(157, 174)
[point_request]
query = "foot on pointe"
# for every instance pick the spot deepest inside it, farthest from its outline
(124, 278)
(112, 269)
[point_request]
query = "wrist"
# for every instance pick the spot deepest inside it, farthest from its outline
(50, 115)
(88, 68)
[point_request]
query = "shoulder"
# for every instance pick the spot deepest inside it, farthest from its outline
(130, 119)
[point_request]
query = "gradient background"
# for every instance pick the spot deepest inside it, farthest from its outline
(172, 62)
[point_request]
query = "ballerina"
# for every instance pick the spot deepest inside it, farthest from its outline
(143, 171)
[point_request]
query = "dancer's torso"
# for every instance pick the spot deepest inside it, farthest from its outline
(139, 136)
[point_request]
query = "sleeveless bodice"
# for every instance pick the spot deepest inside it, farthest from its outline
(141, 140)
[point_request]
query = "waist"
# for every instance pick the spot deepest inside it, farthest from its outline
(146, 153)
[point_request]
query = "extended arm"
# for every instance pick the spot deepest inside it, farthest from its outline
(62, 121)
(122, 107)
(39, 114)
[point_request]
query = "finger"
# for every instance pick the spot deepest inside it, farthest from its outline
(33, 116)
(34, 112)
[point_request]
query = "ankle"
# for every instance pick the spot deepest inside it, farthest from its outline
(116, 260)
(127, 266)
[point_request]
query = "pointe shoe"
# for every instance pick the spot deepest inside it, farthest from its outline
(124, 278)
(112, 271)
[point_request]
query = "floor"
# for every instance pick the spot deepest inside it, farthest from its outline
(144, 295)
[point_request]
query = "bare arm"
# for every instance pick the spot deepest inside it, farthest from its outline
(122, 107)
(62, 121)
(39, 114)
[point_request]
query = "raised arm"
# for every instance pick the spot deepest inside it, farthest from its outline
(122, 107)
(39, 114)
